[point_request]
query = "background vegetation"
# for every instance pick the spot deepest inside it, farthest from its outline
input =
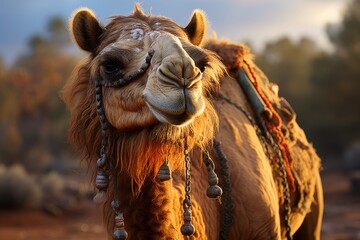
(323, 87)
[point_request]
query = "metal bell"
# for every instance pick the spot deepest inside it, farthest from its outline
(164, 173)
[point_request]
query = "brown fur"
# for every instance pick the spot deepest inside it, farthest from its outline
(306, 163)
(152, 209)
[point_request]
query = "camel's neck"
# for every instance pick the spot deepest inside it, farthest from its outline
(151, 214)
(152, 209)
(147, 203)
(140, 156)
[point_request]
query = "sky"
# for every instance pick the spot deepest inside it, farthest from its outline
(257, 21)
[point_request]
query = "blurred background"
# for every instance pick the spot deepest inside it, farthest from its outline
(311, 48)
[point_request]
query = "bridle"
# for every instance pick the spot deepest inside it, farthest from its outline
(131, 76)
(105, 167)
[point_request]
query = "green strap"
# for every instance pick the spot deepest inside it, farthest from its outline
(259, 107)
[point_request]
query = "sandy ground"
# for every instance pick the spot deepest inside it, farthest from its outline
(83, 223)
(342, 208)
(341, 218)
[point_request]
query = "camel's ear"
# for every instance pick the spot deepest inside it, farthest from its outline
(86, 29)
(196, 28)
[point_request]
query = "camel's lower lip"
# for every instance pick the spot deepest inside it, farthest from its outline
(173, 105)
(178, 119)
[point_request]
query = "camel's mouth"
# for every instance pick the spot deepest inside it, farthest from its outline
(175, 106)
(177, 120)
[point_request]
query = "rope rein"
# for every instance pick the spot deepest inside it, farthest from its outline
(227, 216)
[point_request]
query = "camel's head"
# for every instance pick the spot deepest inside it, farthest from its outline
(171, 91)
(150, 114)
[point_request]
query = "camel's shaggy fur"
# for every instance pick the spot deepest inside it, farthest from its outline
(140, 140)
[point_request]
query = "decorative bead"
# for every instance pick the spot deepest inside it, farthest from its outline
(187, 228)
(102, 180)
(164, 173)
(120, 233)
(214, 191)
(119, 221)
(213, 179)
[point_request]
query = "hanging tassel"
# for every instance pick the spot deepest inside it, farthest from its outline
(102, 178)
(187, 229)
(164, 173)
(213, 190)
(101, 182)
(119, 232)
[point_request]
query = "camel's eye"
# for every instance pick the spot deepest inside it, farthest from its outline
(111, 67)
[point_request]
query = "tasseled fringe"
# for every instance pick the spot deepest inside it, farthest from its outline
(274, 127)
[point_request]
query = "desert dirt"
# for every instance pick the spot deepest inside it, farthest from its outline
(341, 218)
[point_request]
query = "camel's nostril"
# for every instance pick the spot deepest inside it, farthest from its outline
(190, 70)
(179, 66)
(167, 78)
(172, 66)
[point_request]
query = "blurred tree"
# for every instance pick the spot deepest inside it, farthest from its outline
(2, 64)
(346, 36)
(57, 28)
(336, 80)
(288, 63)
(33, 118)
(322, 87)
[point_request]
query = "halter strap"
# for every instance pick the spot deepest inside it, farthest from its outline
(131, 76)
(103, 163)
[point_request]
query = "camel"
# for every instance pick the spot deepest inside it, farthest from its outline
(158, 113)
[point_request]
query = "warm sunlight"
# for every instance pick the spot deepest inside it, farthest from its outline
(118, 123)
